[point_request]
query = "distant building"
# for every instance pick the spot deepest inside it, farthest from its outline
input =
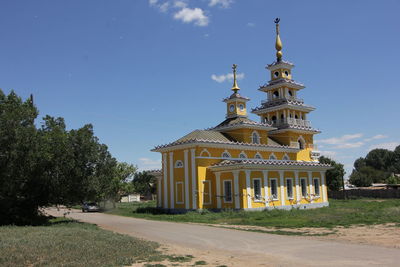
(243, 164)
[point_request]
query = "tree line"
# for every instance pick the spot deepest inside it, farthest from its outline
(379, 166)
(51, 165)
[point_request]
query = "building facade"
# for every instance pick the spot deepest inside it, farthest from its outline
(244, 164)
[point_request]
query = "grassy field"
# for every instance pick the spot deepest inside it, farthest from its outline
(339, 213)
(65, 242)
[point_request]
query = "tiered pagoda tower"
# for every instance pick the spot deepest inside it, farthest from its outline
(283, 109)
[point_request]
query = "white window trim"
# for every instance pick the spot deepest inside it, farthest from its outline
(205, 151)
(177, 163)
(319, 185)
(222, 155)
(209, 192)
(301, 188)
(258, 153)
(287, 192)
(244, 154)
(254, 191)
(277, 189)
(272, 155)
(223, 190)
(183, 193)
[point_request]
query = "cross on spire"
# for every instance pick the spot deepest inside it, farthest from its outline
(235, 87)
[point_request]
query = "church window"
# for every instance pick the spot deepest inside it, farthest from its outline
(178, 164)
(257, 189)
(226, 155)
(274, 189)
(275, 94)
(286, 73)
(272, 157)
(241, 107)
(301, 143)
(303, 184)
(276, 74)
(255, 138)
(258, 156)
(289, 188)
(273, 119)
(228, 191)
(242, 155)
(231, 108)
(290, 93)
(316, 186)
(285, 157)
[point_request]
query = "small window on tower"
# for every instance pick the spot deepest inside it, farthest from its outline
(275, 94)
(290, 93)
(276, 74)
(231, 108)
(241, 107)
(286, 73)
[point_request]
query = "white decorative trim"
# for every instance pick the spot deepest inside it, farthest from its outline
(282, 186)
(265, 177)
(218, 188)
(205, 151)
(208, 193)
(323, 186)
(310, 181)
(179, 163)
(248, 189)
(223, 189)
(171, 180)
(242, 154)
(186, 159)
(236, 189)
(159, 193)
(296, 178)
(259, 155)
(176, 195)
(194, 177)
(165, 181)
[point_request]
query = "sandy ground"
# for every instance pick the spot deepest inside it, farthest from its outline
(229, 247)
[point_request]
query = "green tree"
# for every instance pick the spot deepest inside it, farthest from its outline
(121, 183)
(365, 176)
(144, 183)
(380, 159)
(334, 176)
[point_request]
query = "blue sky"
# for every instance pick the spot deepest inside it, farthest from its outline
(141, 71)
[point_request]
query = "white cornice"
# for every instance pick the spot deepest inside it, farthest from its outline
(266, 88)
(313, 131)
(284, 106)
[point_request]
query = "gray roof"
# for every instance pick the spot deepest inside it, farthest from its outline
(205, 135)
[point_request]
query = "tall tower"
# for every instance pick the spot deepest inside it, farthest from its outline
(282, 107)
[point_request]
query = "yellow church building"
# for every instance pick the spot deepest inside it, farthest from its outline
(244, 164)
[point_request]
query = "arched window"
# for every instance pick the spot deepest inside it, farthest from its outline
(255, 138)
(296, 117)
(226, 154)
(285, 157)
(275, 94)
(273, 119)
(301, 142)
(178, 164)
(205, 153)
(272, 157)
(282, 117)
(258, 156)
(242, 155)
(290, 93)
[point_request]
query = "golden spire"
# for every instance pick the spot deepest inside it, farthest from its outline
(235, 87)
(278, 43)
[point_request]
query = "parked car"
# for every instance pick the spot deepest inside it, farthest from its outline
(89, 207)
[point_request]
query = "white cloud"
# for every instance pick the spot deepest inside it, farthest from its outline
(180, 4)
(339, 140)
(149, 164)
(163, 7)
(153, 2)
(350, 145)
(376, 137)
(226, 77)
(195, 15)
(221, 3)
(329, 154)
(389, 146)
(251, 24)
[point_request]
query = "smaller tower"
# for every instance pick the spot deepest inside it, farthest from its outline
(235, 104)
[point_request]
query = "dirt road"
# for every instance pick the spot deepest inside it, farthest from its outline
(243, 248)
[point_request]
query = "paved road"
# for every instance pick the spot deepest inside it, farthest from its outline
(276, 249)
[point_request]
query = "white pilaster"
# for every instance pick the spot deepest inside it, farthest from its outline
(186, 166)
(171, 180)
(194, 177)
(158, 193)
(236, 188)
(296, 177)
(165, 183)
(323, 186)
(248, 188)
(218, 188)
(265, 176)
(310, 184)
(282, 186)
